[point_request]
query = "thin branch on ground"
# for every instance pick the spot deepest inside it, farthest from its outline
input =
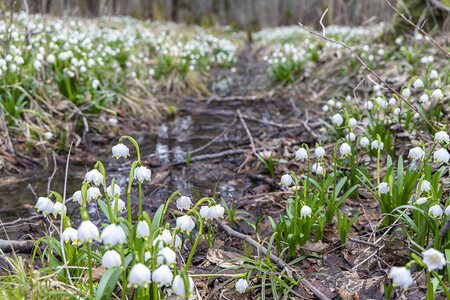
(55, 168)
(33, 193)
(249, 134)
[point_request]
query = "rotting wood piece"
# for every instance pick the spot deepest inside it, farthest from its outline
(9, 246)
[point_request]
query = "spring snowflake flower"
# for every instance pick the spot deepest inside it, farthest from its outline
(178, 286)
(93, 193)
(421, 201)
(241, 286)
(345, 149)
(142, 230)
(142, 173)
(425, 186)
(45, 205)
(94, 176)
(48, 135)
(147, 256)
(286, 180)
(447, 210)
(434, 259)
(437, 94)
(441, 136)
(320, 152)
(364, 142)
(216, 211)
(325, 108)
(112, 235)
(111, 260)
(441, 156)
(205, 212)
(70, 234)
(383, 188)
(184, 202)
(396, 111)
(305, 211)
(163, 239)
(401, 276)
(301, 154)
(77, 197)
(140, 275)
(185, 223)
(162, 276)
(368, 105)
(418, 83)
(51, 58)
(374, 145)
(416, 153)
(331, 102)
(95, 84)
(392, 101)
(87, 232)
(350, 136)
(337, 119)
(120, 205)
(435, 211)
(318, 169)
(120, 150)
(406, 92)
(352, 122)
(59, 209)
(433, 74)
(109, 190)
(424, 98)
(166, 256)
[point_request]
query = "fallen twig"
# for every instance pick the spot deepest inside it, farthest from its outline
(55, 168)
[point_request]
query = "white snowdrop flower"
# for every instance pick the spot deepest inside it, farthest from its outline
(90, 63)
(95, 84)
(93, 193)
(51, 58)
(120, 150)
(318, 169)
(163, 239)
(113, 121)
(331, 102)
(48, 135)
(348, 98)
(366, 48)
(383, 188)
(112, 235)
(418, 83)
(143, 230)
(205, 212)
(305, 211)
(364, 141)
(398, 40)
(437, 94)
(70, 234)
(339, 104)
(83, 69)
(380, 52)
(184, 202)
(425, 186)
(416, 153)
(345, 150)
(301, 154)
(140, 275)
(433, 74)
(178, 242)
(179, 288)
(447, 210)
(111, 260)
(424, 98)
(77, 197)
(392, 101)
(320, 152)
(376, 88)
(434, 259)
(87, 232)
(375, 145)
(185, 223)
(241, 286)
(421, 200)
(441, 136)
(401, 276)
(59, 209)
(368, 105)
(396, 111)
(147, 256)
(217, 211)
(286, 180)
(142, 173)
(151, 72)
(45, 205)
(94, 176)
(166, 256)
(441, 156)
(337, 119)
(435, 211)
(406, 92)
(350, 136)
(352, 122)
(37, 64)
(325, 108)
(163, 276)
(371, 57)
(109, 190)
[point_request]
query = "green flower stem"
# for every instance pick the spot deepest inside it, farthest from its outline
(101, 168)
(200, 231)
(124, 274)
(447, 293)
(204, 199)
(239, 275)
(296, 202)
(91, 285)
(140, 200)
(428, 157)
(167, 205)
(136, 145)
(130, 182)
(429, 294)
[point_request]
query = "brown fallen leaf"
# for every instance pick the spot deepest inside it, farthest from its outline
(221, 258)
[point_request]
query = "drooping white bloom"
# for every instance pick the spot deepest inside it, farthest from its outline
(368, 105)
(216, 211)
(447, 210)
(121, 206)
(406, 92)
(142, 230)
(305, 211)
(95, 84)
(425, 186)
(437, 94)
(286, 180)
(320, 152)
(120, 150)
(331, 102)
(111, 260)
(392, 101)
(59, 209)
(350, 136)
(51, 58)
(77, 197)
(92, 193)
(70, 234)
(374, 145)
(48, 135)
(434, 259)
(325, 108)
(345, 149)
(178, 286)
(109, 190)
(166, 256)
(185, 223)
(142, 173)
(396, 111)
(205, 212)
(401, 276)
(337, 119)
(45, 205)
(421, 201)
(433, 74)
(441, 156)
(241, 285)
(162, 276)
(352, 122)
(163, 239)
(416, 153)
(441, 136)
(424, 98)
(184, 202)
(318, 169)
(112, 235)
(140, 275)
(178, 242)
(87, 232)
(435, 211)
(383, 188)
(94, 176)
(364, 142)
(147, 256)
(418, 83)
(301, 154)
